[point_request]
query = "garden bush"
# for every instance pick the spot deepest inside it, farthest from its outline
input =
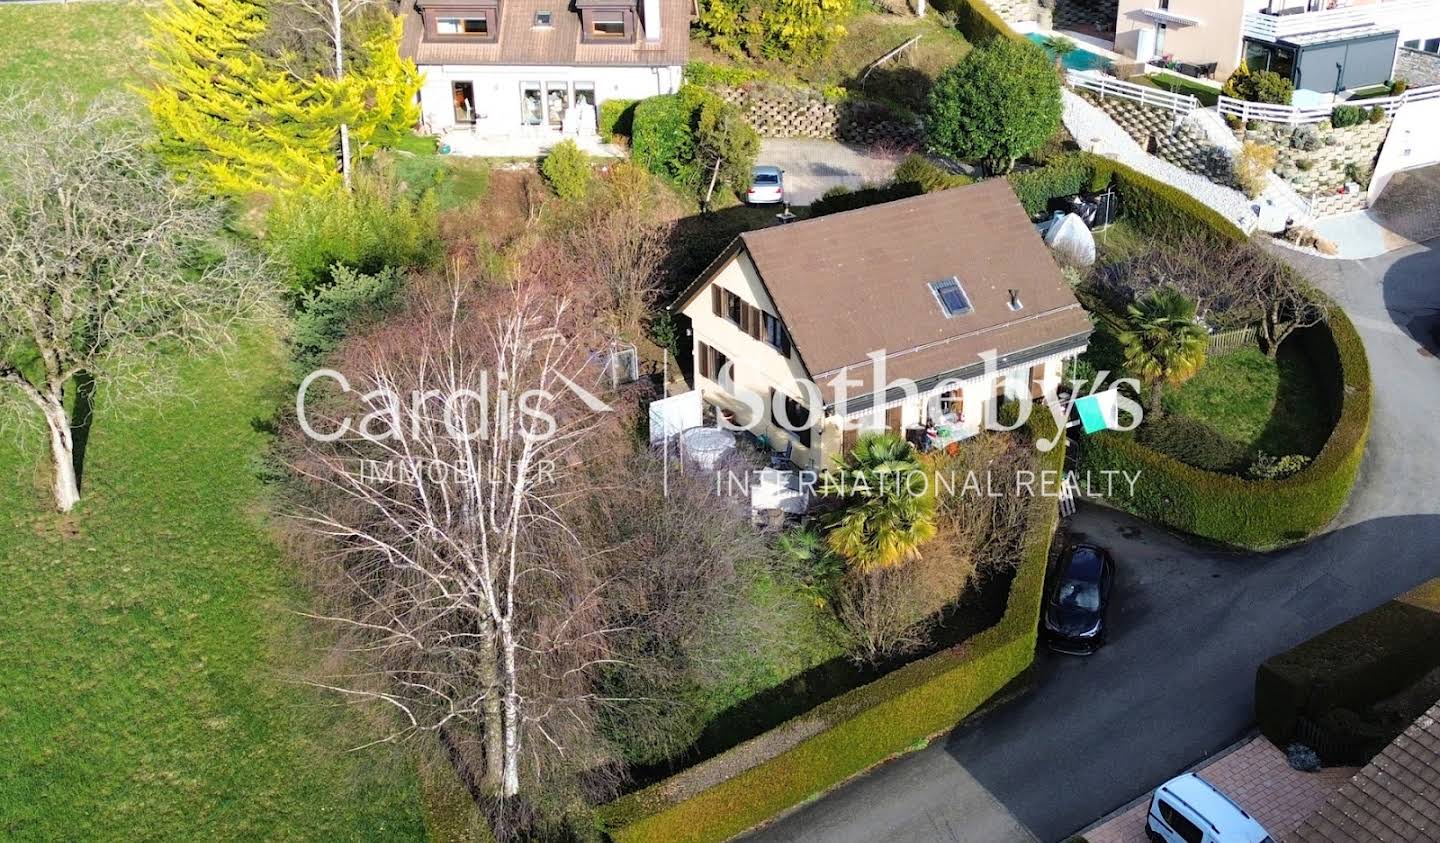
(1252, 167)
(661, 140)
(674, 132)
(1345, 116)
(976, 20)
(1347, 669)
(1193, 442)
(327, 315)
(1064, 175)
(1376, 115)
(1246, 513)
(617, 119)
(865, 726)
(567, 170)
(376, 225)
(841, 198)
(917, 169)
(1001, 102)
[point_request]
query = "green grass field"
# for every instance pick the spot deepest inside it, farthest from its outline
(91, 48)
(1275, 406)
(148, 642)
(1208, 95)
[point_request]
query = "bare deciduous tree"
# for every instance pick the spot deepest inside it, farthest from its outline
(108, 265)
(485, 569)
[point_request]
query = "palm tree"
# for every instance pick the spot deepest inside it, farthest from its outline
(890, 507)
(1059, 47)
(1162, 341)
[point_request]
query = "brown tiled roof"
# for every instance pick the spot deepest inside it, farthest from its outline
(858, 281)
(1395, 797)
(520, 42)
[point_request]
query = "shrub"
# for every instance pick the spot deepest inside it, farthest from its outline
(976, 20)
(1192, 442)
(617, 119)
(1002, 101)
(1253, 166)
(1359, 172)
(708, 75)
(1346, 668)
(327, 315)
(1261, 86)
(661, 141)
(1266, 467)
(794, 30)
(918, 169)
(1345, 116)
(841, 198)
(1064, 175)
(1306, 139)
(1399, 86)
(1305, 165)
(567, 170)
(861, 728)
(1376, 115)
(376, 225)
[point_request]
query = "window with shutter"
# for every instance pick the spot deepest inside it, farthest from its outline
(756, 325)
(733, 307)
(715, 303)
(1037, 380)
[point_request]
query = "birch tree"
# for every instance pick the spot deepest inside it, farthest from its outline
(108, 268)
(466, 602)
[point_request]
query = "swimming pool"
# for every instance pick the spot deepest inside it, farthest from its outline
(1078, 59)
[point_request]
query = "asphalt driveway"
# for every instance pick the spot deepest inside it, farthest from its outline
(1190, 623)
(814, 166)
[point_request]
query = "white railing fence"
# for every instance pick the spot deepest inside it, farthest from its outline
(1107, 86)
(1296, 115)
(1393, 13)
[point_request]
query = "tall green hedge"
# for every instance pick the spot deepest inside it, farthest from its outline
(976, 20)
(661, 140)
(617, 118)
(866, 725)
(1250, 513)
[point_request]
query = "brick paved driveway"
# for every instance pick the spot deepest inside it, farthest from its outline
(1257, 777)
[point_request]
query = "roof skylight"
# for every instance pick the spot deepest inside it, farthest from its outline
(951, 297)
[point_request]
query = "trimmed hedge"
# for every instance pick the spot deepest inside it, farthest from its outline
(1348, 668)
(1249, 513)
(976, 20)
(617, 118)
(1148, 203)
(838, 199)
(869, 724)
(661, 137)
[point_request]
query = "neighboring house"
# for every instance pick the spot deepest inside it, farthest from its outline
(540, 67)
(1396, 797)
(936, 282)
(1323, 46)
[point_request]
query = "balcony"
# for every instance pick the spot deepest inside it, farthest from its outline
(1374, 17)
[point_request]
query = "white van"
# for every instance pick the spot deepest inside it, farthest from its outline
(1188, 809)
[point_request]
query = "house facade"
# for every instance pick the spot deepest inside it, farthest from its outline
(540, 68)
(1322, 46)
(916, 317)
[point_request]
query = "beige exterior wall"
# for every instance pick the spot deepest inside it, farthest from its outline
(758, 369)
(1216, 38)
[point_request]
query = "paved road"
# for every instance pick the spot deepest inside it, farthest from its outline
(1191, 624)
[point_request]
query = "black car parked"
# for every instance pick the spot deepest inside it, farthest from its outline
(1076, 604)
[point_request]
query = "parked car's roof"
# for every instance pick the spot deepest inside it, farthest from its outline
(1085, 562)
(857, 282)
(766, 169)
(1230, 822)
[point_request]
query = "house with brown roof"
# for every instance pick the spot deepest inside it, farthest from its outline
(540, 68)
(905, 316)
(1396, 797)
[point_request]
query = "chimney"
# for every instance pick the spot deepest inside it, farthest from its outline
(1015, 303)
(651, 17)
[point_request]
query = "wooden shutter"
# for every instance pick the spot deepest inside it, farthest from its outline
(1037, 380)
(716, 300)
(757, 323)
(892, 420)
(848, 438)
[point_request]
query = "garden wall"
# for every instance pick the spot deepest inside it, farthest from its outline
(849, 734)
(778, 111)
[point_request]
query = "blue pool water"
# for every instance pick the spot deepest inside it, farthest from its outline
(1080, 59)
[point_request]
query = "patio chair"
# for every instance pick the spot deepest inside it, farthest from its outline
(781, 459)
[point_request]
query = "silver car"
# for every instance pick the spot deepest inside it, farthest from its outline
(767, 186)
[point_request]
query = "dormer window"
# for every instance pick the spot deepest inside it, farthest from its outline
(463, 26)
(607, 25)
(475, 20)
(607, 21)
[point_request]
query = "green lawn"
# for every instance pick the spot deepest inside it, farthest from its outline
(148, 639)
(91, 47)
(1208, 95)
(1275, 406)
